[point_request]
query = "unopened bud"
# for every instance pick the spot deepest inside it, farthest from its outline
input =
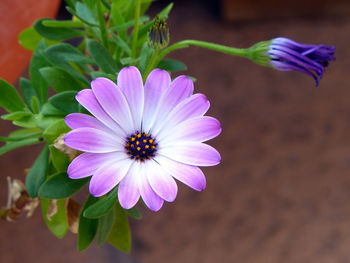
(159, 35)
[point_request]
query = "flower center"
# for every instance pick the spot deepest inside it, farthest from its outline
(140, 146)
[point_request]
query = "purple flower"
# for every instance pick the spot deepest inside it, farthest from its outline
(287, 55)
(142, 137)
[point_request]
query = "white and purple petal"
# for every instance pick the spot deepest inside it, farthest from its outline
(93, 140)
(128, 190)
(88, 100)
(161, 182)
(192, 153)
(198, 129)
(130, 82)
(157, 83)
(190, 175)
(108, 176)
(113, 102)
(86, 164)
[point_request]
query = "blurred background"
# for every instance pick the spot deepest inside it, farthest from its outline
(281, 192)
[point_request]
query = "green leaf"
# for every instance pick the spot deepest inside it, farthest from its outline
(98, 74)
(17, 115)
(165, 12)
(29, 38)
(59, 79)
(27, 91)
(49, 110)
(64, 23)
(122, 44)
(65, 102)
(16, 144)
(67, 53)
(59, 159)
(57, 223)
(105, 225)
(54, 130)
(59, 186)
(134, 213)
(87, 227)
(120, 236)
(35, 105)
(102, 206)
(37, 62)
(85, 14)
(56, 33)
(171, 65)
(19, 135)
(37, 173)
(26, 122)
(102, 57)
(9, 99)
(23, 132)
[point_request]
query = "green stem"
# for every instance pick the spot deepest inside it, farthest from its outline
(153, 61)
(240, 52)
(102, 23)
(135, 32)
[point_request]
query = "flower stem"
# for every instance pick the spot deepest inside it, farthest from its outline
(153, 61)
(240, 52)
(135, 33)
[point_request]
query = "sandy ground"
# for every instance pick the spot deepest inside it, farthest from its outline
(281, 193)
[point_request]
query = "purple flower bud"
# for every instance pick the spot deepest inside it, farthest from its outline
(287, 55)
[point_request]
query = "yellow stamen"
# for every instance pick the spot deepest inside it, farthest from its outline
(138, 148)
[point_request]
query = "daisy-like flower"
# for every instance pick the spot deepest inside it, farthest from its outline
(141, 137)
(287, 55)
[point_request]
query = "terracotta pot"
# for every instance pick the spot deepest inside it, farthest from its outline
(16, 15)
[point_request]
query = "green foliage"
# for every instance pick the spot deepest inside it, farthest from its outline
(65, 102)
(101, 56)
(9, 99)
(54, 130)
(171, 65)
(102, 206)
(58, 221)
(59, 79)
(87, 227)
(105, 224)
(37, 62)
(37, 173)
(59, 186)
(110, 34)
(120, 235)
(59, 159)
(56, 33)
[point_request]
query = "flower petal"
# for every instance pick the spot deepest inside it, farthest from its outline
(161, 182)
(187, 174)
(151, 199)
(112, 100)
(180, 88)
(194, 106)
(130, 82)
(92, 140)
(87, 163)
(108, 176)
(158, 81)
(197, 129)
(87, 98)
(80, 120)
(192, 153)
(128, 191)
